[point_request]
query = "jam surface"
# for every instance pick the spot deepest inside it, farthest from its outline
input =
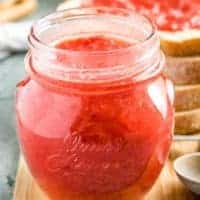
(93, 43)
(169, 15)
(100, 146)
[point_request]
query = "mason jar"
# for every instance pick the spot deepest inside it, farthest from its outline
(95, 112)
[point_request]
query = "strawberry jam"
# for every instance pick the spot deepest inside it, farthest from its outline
(94, 140)
(169, 15)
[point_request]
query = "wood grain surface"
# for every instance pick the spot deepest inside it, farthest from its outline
(168, 187)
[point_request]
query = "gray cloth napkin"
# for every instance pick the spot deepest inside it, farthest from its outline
(13, 38)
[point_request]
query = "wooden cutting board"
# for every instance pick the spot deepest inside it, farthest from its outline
(168, 186)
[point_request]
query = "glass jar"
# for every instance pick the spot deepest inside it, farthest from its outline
(95, 124)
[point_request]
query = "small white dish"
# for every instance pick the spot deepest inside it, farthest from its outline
(187, 168)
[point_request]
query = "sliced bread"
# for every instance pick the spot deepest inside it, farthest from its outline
(183, 70)
(180, 43)
(17, 10)
(187, 97)
(187, 122)
(7, 3)
(180, 148)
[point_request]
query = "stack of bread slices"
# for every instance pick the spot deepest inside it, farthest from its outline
(182, 50)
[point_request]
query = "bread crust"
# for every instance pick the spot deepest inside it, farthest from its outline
(187, 97)
(184, 48)
(180, 148)
(19, 9)
(7, 3)
(183, 70)
(187, 122)
(182, 43)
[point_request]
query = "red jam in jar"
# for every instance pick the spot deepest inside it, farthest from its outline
(169, 15)
(95, 115)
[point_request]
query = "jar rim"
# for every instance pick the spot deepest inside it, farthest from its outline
(35, 40)
(139, 59)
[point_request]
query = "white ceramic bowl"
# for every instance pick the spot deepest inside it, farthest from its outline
(187, 168)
